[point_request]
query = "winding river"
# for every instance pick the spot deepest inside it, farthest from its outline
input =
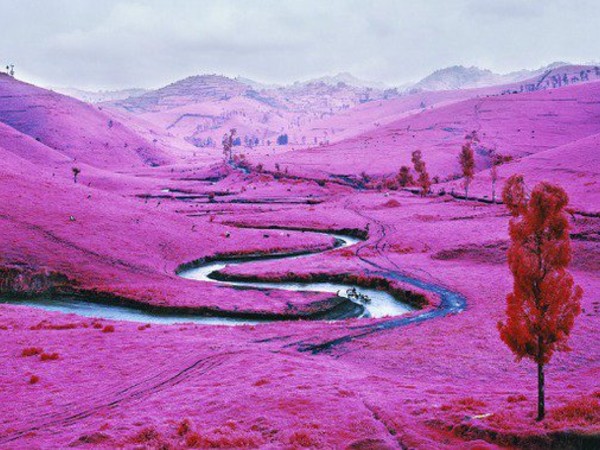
(382, 304)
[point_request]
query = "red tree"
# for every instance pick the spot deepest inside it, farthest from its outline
(467, 163)
(544, 302)
(496, 160)
(423, 181)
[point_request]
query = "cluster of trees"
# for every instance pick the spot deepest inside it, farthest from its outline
(404, 177)
(544, 301)
(250, 141)
(201, 141)
(247, 141)
(282, 139)
(419, 176)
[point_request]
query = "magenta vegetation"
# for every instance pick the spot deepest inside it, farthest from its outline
(109, 203)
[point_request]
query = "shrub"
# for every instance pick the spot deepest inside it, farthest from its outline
(471, 403)
(404, 177)
(584, 409)
(516, 398)
(303, 439)
(184, 427)
(34, 379)
(392, 203)
(108, 329)
(45, 325)
(49, 356)
(146, 435)
(62, 326)
(31, 351)
(76, 171)
(346, 253)
(193, 440)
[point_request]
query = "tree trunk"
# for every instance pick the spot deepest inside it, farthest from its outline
(541, 400)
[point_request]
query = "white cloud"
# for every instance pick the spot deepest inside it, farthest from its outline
(118, 43)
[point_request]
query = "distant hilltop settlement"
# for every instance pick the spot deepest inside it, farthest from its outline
(551, 79)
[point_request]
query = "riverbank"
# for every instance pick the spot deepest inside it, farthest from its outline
(421, 384)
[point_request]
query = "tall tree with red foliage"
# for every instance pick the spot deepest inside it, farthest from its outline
(423, 181)
(544, 302)
(467, 164)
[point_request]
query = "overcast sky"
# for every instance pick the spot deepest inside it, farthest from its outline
(148, 43)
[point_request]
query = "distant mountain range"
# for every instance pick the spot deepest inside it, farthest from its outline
(217, 87)
(460, 77)
(348, 79)
(325, 95)
(99, 96)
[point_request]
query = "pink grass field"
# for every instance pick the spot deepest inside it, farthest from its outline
(147, 202)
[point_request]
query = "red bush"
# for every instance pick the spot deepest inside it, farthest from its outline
(45, 325)
(146, 435)
(64, 326)
(404, 177)
(49, 356)
(302, 439)
(346, 253)
(193, 440)
(31, 351)
(516, 398)
(34, 379)
(108, 329)
(471, 403)
(584, 409)
(392, 203)
(184, 427)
